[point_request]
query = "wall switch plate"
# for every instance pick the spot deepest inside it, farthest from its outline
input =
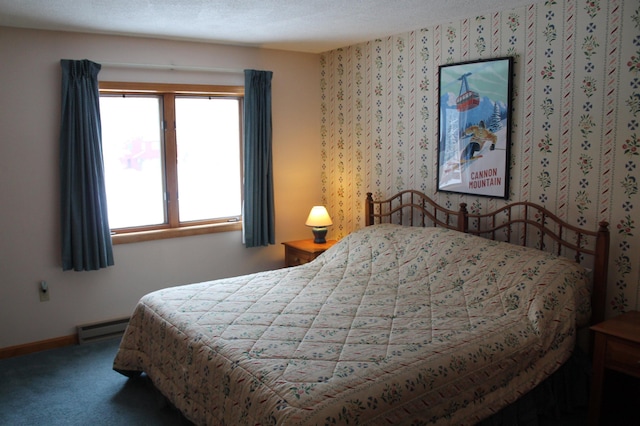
(44, 291)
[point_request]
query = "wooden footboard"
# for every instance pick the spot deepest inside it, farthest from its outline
(522, 223)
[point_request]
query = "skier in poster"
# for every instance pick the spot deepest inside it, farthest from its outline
(479, 136)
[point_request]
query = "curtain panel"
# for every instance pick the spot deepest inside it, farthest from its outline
(86, 236)
(259, 211)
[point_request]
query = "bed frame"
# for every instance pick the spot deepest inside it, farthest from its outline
(523, 223)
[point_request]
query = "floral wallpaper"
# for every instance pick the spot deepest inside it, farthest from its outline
(575, 127)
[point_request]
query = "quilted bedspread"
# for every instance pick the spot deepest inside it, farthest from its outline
(392, 325)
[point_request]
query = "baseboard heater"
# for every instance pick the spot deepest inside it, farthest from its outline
(102, 330)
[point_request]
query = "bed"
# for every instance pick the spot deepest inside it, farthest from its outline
(417, 318)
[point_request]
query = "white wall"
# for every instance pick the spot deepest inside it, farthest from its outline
(29, 188)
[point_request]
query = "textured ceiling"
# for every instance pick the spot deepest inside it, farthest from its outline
(300, 25)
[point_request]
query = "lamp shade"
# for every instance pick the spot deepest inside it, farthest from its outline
(318, 217)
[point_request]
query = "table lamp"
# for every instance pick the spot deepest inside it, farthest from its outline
(319, 219)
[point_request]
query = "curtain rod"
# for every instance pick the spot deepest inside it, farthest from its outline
(170, 67)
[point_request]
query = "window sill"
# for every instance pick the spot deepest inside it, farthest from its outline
(187, 231)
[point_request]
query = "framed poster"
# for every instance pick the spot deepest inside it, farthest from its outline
(475, 127)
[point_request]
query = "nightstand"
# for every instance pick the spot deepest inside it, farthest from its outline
(303, 251)
(616, 347)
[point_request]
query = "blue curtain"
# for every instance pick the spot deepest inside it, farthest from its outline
(258, 215)
(86, 236)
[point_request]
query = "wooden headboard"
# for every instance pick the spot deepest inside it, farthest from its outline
(412, 208)
(522, 223)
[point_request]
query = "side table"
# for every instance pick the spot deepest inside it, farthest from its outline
(303, 251)
(616, 347)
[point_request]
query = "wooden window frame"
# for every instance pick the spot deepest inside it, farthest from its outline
(173, 228)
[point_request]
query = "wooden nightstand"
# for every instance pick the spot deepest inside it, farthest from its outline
(303, 251)
(616, 347)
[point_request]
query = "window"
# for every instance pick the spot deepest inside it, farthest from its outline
(172, 157)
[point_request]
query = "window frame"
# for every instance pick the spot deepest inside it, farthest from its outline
(173, 228)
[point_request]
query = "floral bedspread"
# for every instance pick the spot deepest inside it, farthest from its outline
(392, 325)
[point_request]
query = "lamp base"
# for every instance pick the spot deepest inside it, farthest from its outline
(319, 234)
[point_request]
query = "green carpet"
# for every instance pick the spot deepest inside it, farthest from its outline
(76, 385)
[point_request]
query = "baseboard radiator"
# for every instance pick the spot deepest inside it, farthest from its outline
(102, 330)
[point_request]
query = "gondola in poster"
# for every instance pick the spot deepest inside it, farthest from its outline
(475, 127)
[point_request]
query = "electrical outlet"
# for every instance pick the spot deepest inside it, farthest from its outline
(44, 291)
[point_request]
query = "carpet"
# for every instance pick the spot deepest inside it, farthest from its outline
(76, 385)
